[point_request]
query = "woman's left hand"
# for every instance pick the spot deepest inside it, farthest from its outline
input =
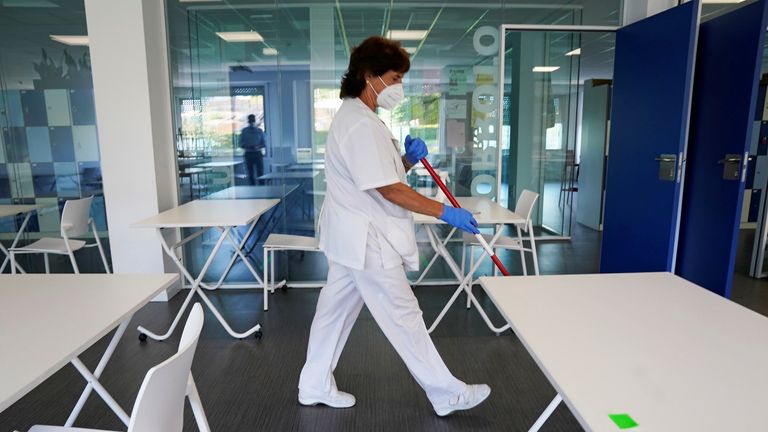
(415, 149)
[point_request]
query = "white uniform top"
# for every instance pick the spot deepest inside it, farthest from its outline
(361, 155)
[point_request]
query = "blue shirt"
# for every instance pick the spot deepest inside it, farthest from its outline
(252, 138)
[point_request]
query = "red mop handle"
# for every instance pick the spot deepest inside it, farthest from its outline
(439, 182)
(455, 203)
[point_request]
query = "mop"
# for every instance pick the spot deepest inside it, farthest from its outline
(455, 203)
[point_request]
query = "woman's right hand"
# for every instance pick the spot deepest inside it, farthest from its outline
(459, 218)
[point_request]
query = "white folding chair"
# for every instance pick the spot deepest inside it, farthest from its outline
(160, 403)
(75, 221)
(283, 242)
(524, 207)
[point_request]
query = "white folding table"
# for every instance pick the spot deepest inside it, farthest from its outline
(220, 164)
(49, 320)
(668, 354)
(252, 192)
(13, 210)
(301, 176)
(224, 215)
(486, 212)
(319, 166)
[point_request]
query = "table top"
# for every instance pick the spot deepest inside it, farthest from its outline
(14, 209)
(279, 175)
(306, 167)
(490, 212)
(219, 164)
(193, 170)
(210, 213)
(253, 192)
(47, 320)
(672, 355)
(311, 161)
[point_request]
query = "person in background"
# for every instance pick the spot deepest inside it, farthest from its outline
(252, 140)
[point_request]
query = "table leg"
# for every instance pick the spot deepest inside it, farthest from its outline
(239, 252)
(265, 269)
(93, 383)
(195, 283)
(15, 242)
(197, 406)
(434, 258)
(232, 259)
(545, 415)
(465, 282)
(253, 330)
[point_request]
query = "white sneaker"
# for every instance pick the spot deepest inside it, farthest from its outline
(335, 399)
(472, 397)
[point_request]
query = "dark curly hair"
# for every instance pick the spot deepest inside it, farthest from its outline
(375, 55)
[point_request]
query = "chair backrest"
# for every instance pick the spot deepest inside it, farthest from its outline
(160, 403)
(75, 217)
(440, 196)
(525, 205)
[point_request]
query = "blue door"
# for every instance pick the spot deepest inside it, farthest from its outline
(653, 80)
(725, 94)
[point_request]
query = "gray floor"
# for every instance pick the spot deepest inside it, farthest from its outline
(250, 385)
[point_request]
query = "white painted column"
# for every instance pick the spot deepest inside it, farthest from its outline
(129, 57)
(322, 73)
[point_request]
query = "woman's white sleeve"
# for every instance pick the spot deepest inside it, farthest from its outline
(368, 157)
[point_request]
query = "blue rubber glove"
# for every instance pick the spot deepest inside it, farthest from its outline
(459, 218)
(415, 149)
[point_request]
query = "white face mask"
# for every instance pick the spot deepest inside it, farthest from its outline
(390, 97)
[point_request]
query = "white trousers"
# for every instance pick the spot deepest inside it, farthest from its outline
(393, 305)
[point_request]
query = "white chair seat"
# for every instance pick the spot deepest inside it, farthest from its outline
(75, 221)
(293, 242)
(51, 245)
(40, 428)
(504, 242)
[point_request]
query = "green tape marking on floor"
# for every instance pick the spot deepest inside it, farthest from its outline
(623, 421)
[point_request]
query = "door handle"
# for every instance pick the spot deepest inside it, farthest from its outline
(729, 160)
(667, 166)
(732, 166)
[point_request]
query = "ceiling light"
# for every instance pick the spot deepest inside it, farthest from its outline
(406, 34)
(241, 36)
(545, 68)
(269, 51)
(410, 50)
(577, 51)
(71, 40)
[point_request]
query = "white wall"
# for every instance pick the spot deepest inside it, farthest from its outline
(129, 59)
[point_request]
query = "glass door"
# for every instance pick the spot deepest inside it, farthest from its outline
(544, 68)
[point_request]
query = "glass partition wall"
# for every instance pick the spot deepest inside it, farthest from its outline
(49, 149)
(543, 79)
(282, 61)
